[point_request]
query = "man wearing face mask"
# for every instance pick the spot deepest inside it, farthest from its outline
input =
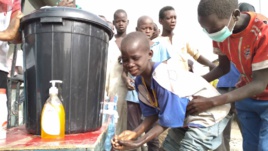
(226, 84)
(240, 37)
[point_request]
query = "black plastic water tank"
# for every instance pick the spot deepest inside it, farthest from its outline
(71, 45)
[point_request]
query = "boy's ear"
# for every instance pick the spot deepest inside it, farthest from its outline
(160, 21)
(236, 14)
(151, 53)
(137, 29)
(113, 22)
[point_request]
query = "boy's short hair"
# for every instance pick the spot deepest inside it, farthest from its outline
(103, 17)
(222, 8)
(163, 10)
(119, 11)
(142, 18)
(246, 7)
(136, 36)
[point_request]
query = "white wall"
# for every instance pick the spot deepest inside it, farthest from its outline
(261, 6)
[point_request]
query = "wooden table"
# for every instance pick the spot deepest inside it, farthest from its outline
(19, 139)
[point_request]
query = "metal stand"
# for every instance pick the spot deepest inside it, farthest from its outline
(18, 81)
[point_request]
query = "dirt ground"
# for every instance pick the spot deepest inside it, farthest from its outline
(236, 138)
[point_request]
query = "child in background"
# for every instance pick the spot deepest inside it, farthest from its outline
(156, 32)
(178, 47)
(114, 83)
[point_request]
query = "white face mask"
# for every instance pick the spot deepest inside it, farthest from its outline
(221, 35)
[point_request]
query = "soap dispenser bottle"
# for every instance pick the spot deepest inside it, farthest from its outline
(53, 115)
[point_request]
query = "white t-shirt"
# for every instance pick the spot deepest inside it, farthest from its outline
(4, 47)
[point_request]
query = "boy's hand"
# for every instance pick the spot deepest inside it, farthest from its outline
(199, 104)
(115, 142)
(124, 136)
(126, 145)
(127, 135)
(129, 82)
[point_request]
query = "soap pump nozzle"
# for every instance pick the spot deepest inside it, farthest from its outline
(53, 89)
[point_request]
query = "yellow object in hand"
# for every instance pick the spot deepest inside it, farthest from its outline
(214, 82)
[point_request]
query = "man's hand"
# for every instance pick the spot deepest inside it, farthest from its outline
(199, 104)
(12, 30)
(67, 3)
(15, 22)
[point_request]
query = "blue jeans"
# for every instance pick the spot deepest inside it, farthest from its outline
(253, 116)
(195, 139)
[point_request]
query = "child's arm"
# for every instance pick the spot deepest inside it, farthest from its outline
(154, 132)
(12, 32)
(198, 57)
(256, 86)
(204, 61)
(146, 124)
(220, 70)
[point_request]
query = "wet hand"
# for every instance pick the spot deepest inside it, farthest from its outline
(199, 104)
(127, 135)
(124, 136)
(115, 142)
(126, 145)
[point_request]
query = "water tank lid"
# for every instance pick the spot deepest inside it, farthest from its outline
(68, 13)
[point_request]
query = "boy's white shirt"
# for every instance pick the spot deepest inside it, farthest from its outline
(179, 49)
(186, 84)
(114, 82)
(175, 50)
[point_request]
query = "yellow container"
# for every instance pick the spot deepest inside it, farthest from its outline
(53, 117)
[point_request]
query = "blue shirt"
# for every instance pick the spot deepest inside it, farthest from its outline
(160, 53)
(171, 108)
(230, 79)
